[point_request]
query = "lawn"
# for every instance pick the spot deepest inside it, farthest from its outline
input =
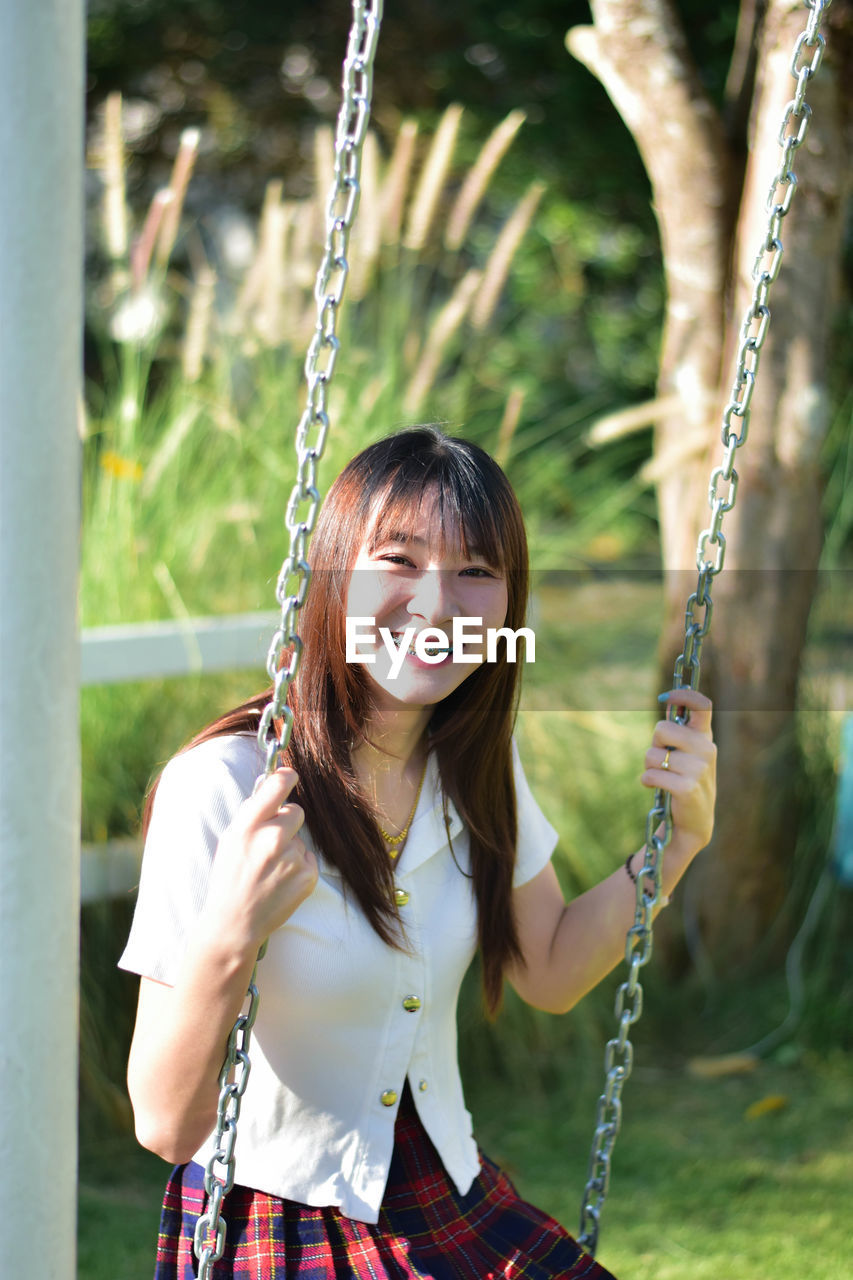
(740, 1176)
(731, 1177)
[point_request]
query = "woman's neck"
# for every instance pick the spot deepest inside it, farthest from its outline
(396, 745)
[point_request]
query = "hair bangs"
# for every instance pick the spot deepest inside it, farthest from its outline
(467, 508)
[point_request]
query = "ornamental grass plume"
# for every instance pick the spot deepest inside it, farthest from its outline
(268, 315)
(324, 176)
(431, 182)
(299, 313)
(274, 304)
(178, 183)
(253, 280)
(115, 219)
(143, 248)
(403, 335)
(509, 424)
(138, 314)
(478, 178)
(395, 186)
(199, 320)
(500, 259)
(367, 233)
(296, 297)
(304, 248)
(441, 331)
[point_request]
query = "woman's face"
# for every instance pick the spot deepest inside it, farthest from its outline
(407, 583)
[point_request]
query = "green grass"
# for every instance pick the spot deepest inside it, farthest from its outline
(699, 1190)
(119, 1194)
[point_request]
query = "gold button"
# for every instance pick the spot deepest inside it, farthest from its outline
(401, 897)
(389, 1097)
(422, 1086)
(411, 1004)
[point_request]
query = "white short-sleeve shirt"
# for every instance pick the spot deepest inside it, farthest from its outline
(344, 1019)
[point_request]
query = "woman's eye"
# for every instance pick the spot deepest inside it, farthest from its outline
(397, 559)
(477, 571)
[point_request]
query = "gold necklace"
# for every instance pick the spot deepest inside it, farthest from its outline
(396, 842)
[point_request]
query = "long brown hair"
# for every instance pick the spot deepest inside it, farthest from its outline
(469, 731)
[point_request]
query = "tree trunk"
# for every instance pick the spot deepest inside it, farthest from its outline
(713, 222)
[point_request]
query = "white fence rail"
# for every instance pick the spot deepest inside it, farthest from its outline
(150, 651)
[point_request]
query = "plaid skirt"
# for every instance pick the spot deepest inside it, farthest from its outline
(426, 1230)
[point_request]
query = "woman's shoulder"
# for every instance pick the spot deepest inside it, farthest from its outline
(227, 763)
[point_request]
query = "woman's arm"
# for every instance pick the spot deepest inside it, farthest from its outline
(261, 873)
(568, 949)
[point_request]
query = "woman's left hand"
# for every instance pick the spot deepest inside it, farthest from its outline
(682, 760)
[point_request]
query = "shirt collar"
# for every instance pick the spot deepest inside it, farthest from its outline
(428, 833)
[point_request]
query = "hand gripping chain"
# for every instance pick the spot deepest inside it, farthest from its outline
(618, 1056)
(295, 574)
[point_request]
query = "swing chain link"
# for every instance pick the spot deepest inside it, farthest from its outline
(294, 577)
(618, 1056)
(236, 1064)
(313, 428)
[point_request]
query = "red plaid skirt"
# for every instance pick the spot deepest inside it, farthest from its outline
(426, 1230)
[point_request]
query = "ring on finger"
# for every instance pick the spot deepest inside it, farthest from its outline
(664, 764)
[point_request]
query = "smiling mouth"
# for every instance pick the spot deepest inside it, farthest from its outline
(430, 649)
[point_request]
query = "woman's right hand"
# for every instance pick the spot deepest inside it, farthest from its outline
(262, 870)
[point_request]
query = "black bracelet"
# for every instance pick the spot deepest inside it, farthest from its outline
(664, 898)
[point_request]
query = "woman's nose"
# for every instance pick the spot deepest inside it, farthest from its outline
(433, 598)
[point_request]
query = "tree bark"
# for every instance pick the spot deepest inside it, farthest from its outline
(713, 220)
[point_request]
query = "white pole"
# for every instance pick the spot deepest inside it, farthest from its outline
(41, 162)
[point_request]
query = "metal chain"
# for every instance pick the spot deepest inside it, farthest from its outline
(293, 580)
(619, 1053)
(209, 1238)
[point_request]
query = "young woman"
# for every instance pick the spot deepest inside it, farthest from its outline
(400, 837)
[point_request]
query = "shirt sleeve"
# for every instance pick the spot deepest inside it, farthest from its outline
(537, 839)
(198, 796)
